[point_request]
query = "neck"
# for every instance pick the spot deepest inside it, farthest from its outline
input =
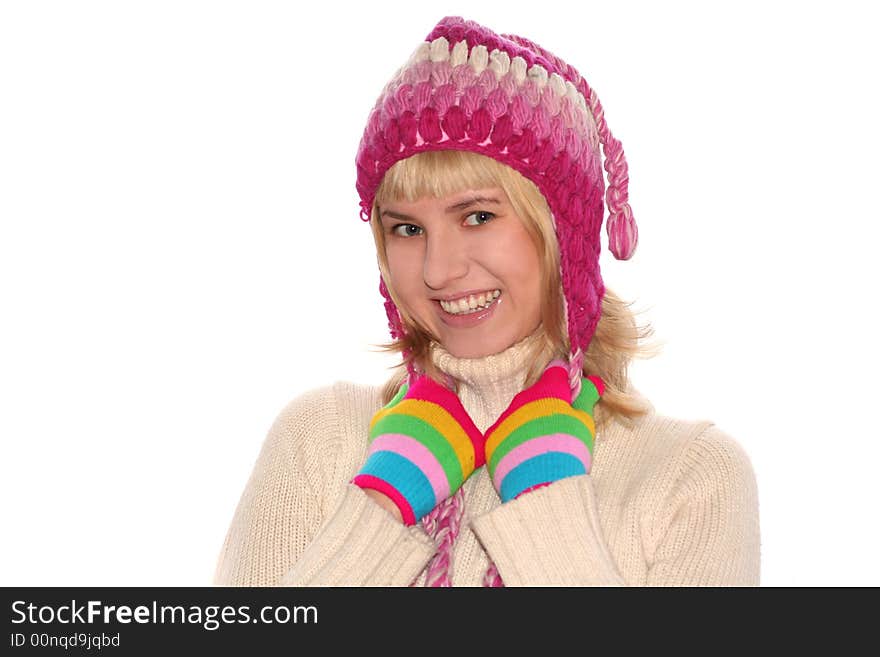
(487, 385)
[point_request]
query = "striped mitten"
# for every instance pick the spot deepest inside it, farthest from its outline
(423, 446)
(542, 437)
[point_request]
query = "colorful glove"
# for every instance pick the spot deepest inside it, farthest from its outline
(423, 446)
(542, 437)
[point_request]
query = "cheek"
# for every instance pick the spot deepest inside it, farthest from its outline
(404, 267)
(519, 258)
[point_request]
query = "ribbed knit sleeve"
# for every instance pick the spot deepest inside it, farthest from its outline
(296, 522)
(701, 526)
(707, 529)
(550, 537)
(362, 545)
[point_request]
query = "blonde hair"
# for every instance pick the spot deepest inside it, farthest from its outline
(617, 339)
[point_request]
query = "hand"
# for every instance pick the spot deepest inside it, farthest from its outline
(423, 447)
(542, 436)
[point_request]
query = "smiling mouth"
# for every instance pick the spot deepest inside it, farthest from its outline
(470, 304)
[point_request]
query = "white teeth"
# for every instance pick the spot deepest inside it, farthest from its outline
(471, 303)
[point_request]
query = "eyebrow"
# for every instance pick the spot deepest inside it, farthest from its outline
(452, 208)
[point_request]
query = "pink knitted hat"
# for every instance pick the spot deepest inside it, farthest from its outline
(503, 96)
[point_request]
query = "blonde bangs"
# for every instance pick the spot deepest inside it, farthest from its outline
(436, 174)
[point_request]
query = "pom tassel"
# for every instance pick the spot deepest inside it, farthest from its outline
(623, 234)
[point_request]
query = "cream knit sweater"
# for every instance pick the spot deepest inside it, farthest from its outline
(668, 502)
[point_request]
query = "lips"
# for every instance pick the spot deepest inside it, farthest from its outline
(469, 303)
(467, 320)
(465, 294)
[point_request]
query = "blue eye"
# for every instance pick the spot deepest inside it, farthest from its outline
(482, 218)
(410, 230)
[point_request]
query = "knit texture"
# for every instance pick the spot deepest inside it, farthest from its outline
(542, 436)
(667, 502)
(423, 446)
(503, 96)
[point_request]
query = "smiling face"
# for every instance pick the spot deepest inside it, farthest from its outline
(464, 267)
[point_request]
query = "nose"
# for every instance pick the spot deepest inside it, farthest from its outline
(445, 261)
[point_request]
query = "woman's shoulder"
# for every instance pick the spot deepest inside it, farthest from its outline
(663, 461)
(334, 405)
(679, 443)
(320, 428)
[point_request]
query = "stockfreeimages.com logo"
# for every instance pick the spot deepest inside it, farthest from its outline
(211, 617)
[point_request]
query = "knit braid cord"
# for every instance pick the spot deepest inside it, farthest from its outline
(623, 234)
(443, 525)
(492, 578)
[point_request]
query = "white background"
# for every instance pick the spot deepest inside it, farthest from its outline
(181, 254)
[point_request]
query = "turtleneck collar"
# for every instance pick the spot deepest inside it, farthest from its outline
(487, 385)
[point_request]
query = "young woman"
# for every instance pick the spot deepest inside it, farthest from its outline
(511, 449)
